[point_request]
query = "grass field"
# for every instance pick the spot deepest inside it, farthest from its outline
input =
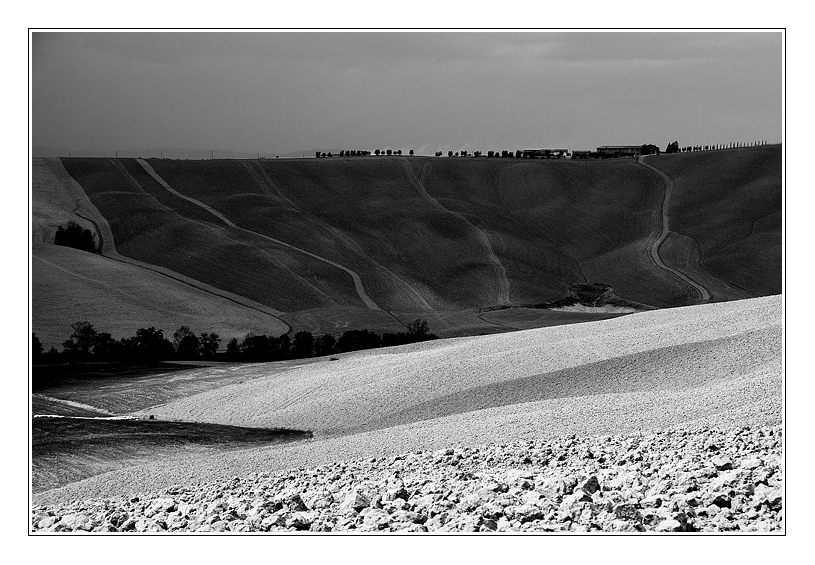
(343, 243)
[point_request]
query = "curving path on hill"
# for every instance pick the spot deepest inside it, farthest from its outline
(257, 172)
(669, 183)
(358, 285)
(85, 209)
(500, 271)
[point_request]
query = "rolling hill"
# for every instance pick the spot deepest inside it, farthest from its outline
(708, 365)
(327, 245)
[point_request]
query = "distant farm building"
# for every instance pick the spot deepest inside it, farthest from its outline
(544, 153)
(627, 150)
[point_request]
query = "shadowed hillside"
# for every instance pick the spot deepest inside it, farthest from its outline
(728, 203)
(336, 244)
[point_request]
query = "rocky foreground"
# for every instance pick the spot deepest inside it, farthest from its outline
(681, 480)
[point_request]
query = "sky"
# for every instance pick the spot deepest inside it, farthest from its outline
(282, 92)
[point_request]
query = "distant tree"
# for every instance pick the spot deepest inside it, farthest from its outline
(519, 153)
(188, 347)
(410, 153)
(325, 345)
(389, 151)
(282, 347)
(398, 151)
(233, 348)
(303, 345)
(418, 328)
(208, 344)
(376, 152)
(80, 344)
(317, 154)
(392, 339)
(256, 347)
(354, 340)
(72, 235)
(105, 348)
(36, 348)
(342, 153)
(51, 356)
(490, 153)
(180, 334)
(463, 153)
(322, 154)
(449, 153)
(149, 344)
(329, 153)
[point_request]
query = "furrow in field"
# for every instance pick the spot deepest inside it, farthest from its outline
(500, 271)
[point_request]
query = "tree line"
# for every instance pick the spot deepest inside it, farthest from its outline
(150, 345)
(360, 153)
(504, 154)
(673, 147)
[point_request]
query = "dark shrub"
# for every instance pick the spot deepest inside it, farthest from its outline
(74, 236)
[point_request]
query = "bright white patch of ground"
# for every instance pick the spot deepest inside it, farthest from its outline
(715, 364)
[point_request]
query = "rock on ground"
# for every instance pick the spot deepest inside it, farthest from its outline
(680, 480)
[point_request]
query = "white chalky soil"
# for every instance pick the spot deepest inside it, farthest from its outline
(664, 421)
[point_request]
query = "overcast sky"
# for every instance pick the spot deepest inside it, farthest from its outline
(280, 92)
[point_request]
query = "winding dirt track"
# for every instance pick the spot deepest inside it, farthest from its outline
(358, 284)
(500, 271)
(257, 172)
(84, 208)
(669, 183)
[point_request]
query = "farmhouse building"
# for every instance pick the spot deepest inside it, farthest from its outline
(544, 153)
(627, 150)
